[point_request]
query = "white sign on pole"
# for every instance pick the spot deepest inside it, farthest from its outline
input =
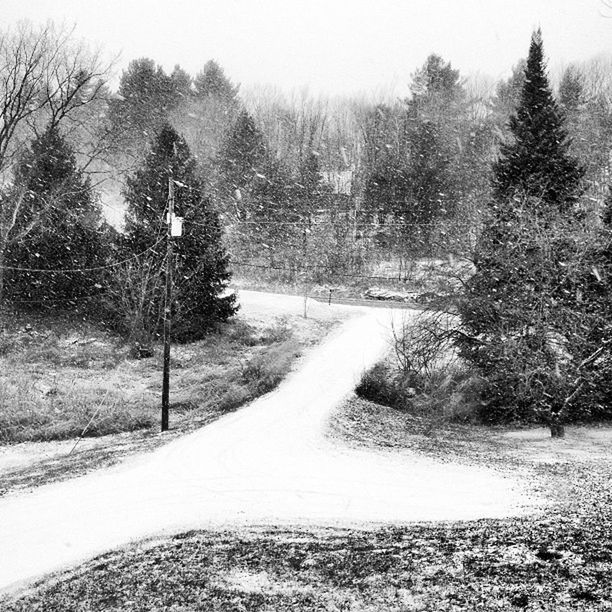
(176, 228)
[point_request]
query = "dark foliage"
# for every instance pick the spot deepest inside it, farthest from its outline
(257, 188)
(212, 82)
(535, 313)
(59, 227)
(201, 274)
(536, 317)
(243, 161)
(536, 161)
(379, 385)
(146, 95)
(423, 159)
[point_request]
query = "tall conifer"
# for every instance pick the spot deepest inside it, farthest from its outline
(201, 274)
(536, 162)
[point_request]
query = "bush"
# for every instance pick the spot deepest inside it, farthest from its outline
(452, 394)
(423, 345)
(266, 370)
(234, 397)
(426, 377)
(379, 385)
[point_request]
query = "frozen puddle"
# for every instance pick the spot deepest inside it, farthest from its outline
(269, 463)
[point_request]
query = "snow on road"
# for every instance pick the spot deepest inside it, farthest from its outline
(269, 463)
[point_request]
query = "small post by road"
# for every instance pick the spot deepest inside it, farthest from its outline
(165, 415)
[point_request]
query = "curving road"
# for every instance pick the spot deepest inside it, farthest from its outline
(269, 463)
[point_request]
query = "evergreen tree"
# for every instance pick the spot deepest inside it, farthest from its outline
(571, 90)
(523, 322)
(508, 92)
(211, 81)
(146, 95)
(536, 161)
(59, 226)
(414, 178)
(201, 274)
(243, 163)
(436, 79)
(181, 82)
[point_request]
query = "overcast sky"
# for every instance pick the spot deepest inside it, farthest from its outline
(332, 46)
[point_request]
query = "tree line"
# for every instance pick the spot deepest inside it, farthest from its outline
(511, 176)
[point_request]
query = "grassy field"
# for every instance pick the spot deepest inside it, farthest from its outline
(67, 380)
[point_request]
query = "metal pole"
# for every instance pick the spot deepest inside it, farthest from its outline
(167, 311)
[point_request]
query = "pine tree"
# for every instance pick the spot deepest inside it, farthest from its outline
(59, 227)
(201, 274)
(536, 161)
(211, 81)
(571, 90)
(243, 162)
(146, 96)
(413, 178)
(181, 83)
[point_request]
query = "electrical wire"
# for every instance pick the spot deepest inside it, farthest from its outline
(351, 224)
(93, 269)
(315, 267)
(80, 298)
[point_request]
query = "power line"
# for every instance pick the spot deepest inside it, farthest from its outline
(79, 298)
(350, 224)
(320, 267)
(94, 269)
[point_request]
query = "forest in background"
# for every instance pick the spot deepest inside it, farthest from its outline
(311, 188)
(490, 199)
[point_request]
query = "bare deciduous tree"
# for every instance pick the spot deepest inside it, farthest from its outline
(45, 79)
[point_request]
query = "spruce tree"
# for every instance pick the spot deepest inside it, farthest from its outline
(201, 263)
(146, 97)
(243, 161)
(211, 81)
(59, 227)
(536, 162)
(520, 307)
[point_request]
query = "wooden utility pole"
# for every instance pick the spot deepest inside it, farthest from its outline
(168, 311)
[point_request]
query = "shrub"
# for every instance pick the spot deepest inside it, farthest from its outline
(267, 369)
(379, 385)
(234, 397)
(451, 393)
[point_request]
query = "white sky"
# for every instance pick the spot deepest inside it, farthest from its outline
(331, 46)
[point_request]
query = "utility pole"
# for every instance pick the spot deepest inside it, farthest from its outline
(168, 310)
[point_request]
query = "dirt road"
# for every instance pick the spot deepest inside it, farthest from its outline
(269, 463)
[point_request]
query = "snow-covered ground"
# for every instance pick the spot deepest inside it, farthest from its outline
(269, 463)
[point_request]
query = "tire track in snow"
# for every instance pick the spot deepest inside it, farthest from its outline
(268, 463)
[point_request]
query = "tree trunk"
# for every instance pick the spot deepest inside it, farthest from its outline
(2, 249)
(557, 429)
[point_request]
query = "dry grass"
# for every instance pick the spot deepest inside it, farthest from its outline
(56, 373)
(61, 380)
